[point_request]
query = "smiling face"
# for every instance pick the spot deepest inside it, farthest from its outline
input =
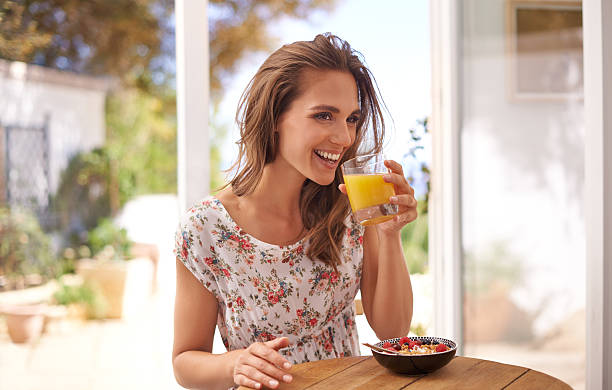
(319, 125)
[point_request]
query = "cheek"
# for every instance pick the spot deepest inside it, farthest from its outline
(353, 136)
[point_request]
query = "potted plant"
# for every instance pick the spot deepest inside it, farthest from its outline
(81, 300)
(124, 281)
(26, 259)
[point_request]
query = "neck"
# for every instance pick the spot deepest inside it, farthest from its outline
(279, 190)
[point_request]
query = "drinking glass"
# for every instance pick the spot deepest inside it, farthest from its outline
(368, 193)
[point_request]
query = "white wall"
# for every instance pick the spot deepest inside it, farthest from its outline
(76, 112)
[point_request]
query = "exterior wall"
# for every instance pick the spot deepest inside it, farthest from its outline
(74, 105)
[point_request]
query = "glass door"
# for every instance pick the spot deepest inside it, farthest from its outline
(521, 146)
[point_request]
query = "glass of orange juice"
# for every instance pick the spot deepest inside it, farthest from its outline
(368, 193)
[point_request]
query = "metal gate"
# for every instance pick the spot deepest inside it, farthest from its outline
(26, 168)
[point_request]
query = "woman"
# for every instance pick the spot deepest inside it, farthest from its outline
(275, 259)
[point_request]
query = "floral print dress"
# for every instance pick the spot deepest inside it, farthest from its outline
(266, 291)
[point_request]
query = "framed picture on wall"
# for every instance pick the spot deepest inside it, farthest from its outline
(544, 49)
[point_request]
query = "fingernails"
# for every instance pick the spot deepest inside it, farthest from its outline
(393, 199)
(386, 177)
(258, 385)
(273, 383)
(287, 378)
(287, 365)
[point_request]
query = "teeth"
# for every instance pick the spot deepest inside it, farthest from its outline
(329, 156)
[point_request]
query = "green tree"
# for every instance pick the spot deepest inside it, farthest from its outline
(134, 39)
(121, 38)
(240, 27)
(141, 140)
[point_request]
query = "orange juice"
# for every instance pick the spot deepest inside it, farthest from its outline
(368, 193)
(367, 190)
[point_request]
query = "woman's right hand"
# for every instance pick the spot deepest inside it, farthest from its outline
(261, 363)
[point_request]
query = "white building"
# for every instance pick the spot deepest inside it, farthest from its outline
(46, 117)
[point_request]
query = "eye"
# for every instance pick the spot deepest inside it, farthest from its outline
(353, 119)
(326, 116)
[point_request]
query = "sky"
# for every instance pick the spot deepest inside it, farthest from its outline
(392, 35)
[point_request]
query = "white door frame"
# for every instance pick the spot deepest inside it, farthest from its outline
(445, 252)
(598, 189)
(192, 92)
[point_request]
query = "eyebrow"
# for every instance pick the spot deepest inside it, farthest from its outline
(331, 108)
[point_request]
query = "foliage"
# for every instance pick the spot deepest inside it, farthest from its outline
(19, 38)
(134, 39)
(415, 242)
(109, 241)
(24, 247)
(415, 236)
(141, 141)
(84, 195)
(418, 174)
(241, 27)
(125, 38)
(94, 302)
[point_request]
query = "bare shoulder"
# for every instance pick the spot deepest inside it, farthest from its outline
(231, 202)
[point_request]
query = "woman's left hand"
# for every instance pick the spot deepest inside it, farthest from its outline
(404, 198)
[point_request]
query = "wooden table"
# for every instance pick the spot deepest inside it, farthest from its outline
(363, 372)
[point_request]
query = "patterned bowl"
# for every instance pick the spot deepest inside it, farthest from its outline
(416, 364)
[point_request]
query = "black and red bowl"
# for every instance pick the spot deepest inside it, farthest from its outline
(416, 364)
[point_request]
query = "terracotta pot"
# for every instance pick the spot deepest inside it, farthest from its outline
(24, 323)
(125, 285)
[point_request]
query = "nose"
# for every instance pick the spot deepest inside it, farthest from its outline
(343, 135)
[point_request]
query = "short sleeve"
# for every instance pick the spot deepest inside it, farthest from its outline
(194, 248)
(353, 226)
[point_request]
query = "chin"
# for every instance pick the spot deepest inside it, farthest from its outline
(323, 181)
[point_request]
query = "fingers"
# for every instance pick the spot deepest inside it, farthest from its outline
(404, 200)
(242, 380)
(394, 166)
(342, 188)
(400, 182)
(267, 351)
(396, 176)
(278, 343)
(406, 217)
(257, 371)
(261, 364)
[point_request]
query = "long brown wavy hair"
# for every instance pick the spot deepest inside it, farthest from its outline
(265, 99)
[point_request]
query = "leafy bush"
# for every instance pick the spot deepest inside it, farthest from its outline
(108, 241)
(24, 247)
(94, 302)
(89, 191)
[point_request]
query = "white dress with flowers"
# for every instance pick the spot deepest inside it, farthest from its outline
(266, 291)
